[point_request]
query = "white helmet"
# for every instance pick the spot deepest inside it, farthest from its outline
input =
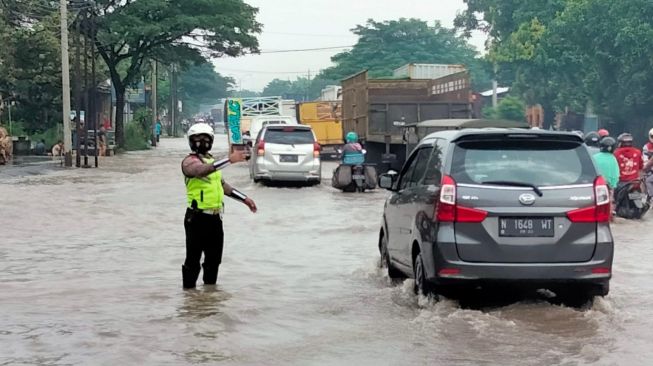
(200, 129)
(650, 135)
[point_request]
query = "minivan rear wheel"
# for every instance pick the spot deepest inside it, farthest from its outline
(421, 284)
(393, 273)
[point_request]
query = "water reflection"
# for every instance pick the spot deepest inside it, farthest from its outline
(203, 302)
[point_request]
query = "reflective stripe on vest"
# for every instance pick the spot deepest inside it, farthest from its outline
(206, 191)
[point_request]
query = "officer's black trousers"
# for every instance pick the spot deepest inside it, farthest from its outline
(204, 233)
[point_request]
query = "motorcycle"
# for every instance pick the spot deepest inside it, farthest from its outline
(353, 175)
(632, 200)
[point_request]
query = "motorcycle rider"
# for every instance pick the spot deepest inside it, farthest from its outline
(629, 159)
(648, 166)
(603, 133)
(205, 191)
(607, 163)
(592, 140)
(352, 153)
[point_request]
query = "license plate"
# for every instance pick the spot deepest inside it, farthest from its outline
(635, 196)
(357, 176)
(288, 158)
(526, 227)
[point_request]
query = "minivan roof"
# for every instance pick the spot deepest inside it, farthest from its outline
(471, 123)
(284, 127)
(455, 135)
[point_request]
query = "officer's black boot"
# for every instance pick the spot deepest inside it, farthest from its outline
(210, 276)
(189, 276)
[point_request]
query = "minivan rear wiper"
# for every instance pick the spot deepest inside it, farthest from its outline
(515, 184)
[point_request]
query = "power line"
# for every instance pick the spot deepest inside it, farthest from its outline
(307, 49)
(261, 71)
(310, 34)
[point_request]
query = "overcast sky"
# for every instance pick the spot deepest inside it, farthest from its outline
(298, 24)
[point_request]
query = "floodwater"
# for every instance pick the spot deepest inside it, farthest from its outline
(90, 274)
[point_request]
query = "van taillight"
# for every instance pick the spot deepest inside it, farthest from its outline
(600, 211)
(261, 147)
(446, 209)
(316, 149)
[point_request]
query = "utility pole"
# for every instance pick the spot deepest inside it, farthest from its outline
(495, 86)
(78, 93)
(65, 84)
(173, 100)
(94, 90)
(87, 95)
(154, 96)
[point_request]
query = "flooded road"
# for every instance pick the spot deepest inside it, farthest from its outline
(90, 273)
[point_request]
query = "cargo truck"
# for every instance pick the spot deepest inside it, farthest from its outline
(377, 109)
(238, 113)
(326, 120)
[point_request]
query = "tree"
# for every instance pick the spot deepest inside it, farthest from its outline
(278, 87)
(384, 46)
(517, 38)
(30, 66)
(199, 84)
(510, 108)
(131, 32)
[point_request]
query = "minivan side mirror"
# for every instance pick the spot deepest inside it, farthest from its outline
(388, 180)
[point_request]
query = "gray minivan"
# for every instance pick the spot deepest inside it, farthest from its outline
(474, 207)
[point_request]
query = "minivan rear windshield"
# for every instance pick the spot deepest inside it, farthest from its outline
(289, 136)
(538, 162)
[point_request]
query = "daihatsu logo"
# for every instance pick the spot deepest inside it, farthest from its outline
(527, 199)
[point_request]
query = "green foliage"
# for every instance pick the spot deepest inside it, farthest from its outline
(30, 66)
(300, 89)
(509, 108)
(384, 46)
(51, 136)
(138, 132)
(132, 32)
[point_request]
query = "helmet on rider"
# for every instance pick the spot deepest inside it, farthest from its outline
(625, 140)
(200, 138)
(351, 137)
(608, 144)
(650, 135)
(592, 139)
(603, 132)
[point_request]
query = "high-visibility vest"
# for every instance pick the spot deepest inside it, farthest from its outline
(206, 191)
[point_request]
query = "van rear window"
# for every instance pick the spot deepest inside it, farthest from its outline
(543, 163)
(289, 136)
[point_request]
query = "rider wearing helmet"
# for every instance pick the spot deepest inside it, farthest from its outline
(592, 141)
(607, 163)
(603, 133)
(352, 152)
(629, 159)
(205, 191)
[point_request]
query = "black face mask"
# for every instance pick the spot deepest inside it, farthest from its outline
(201, 145)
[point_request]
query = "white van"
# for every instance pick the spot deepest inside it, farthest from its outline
(258, 122)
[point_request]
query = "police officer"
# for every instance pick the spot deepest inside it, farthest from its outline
(205, 191)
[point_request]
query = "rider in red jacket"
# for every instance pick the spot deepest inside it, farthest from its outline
(629, 158)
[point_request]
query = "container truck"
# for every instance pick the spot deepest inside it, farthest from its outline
(326, 120)
(377, 109)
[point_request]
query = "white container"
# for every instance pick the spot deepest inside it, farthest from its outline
(427, 71)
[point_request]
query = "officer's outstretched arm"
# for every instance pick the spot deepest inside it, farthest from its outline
(232, 192)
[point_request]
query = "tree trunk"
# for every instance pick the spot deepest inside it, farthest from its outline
(549, 115)
(120, 115)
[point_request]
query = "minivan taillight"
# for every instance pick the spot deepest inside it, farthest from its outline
(261, 147)
(600, 211)
(316, 149)
(446, 209)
